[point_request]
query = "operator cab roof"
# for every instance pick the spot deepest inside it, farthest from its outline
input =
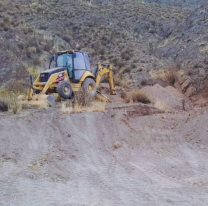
(68, 51)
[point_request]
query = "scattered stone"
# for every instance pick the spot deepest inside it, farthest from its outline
(190, 91)
(3, 106)
(202, 72)
(185, 85)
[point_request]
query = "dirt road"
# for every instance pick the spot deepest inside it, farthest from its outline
(104, 159)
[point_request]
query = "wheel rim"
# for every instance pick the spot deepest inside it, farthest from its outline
(91, 88)
(66, 89)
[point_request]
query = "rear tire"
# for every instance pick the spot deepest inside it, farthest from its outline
(64, 90)
(89, 86)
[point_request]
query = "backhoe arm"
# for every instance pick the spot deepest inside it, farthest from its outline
(105, 69)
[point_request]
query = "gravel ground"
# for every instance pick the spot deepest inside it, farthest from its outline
(90, 159)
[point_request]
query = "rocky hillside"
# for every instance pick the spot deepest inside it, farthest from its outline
(137, 37)
(179, 3)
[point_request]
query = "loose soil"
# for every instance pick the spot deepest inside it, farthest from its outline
(118, 157)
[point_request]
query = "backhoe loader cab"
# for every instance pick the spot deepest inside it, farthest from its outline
(69, 72)
(75, 63)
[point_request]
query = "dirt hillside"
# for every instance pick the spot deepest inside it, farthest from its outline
(90, 159)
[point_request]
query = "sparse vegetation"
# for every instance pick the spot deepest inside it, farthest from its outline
(134, 42)
(9, 101)
(31, 38)
(82, 103)
(159, 104)
(96, 106)
(168, 75)
(137, 96)
(83, 99)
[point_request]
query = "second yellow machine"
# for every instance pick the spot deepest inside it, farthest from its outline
(69, 72)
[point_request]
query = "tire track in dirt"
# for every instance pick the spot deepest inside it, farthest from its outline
(100, 159)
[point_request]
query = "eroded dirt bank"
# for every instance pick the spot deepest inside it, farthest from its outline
(92, 159)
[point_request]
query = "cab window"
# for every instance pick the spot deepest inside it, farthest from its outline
(60, 61)
(87, 61)
(79, 62)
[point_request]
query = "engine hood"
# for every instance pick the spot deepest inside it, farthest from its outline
(54, 70)
(44, 76)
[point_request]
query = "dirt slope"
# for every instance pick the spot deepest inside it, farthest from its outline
(102, 159)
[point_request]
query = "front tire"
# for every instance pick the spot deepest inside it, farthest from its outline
(64, 90)
(89, 86)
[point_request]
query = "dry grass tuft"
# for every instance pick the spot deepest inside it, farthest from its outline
(9, 99)
(96, 106)
(159, 104)
(83, 99)
(168, 75)
(137, 96)
(83, 103)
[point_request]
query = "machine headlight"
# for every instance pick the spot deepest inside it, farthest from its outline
(61, 75)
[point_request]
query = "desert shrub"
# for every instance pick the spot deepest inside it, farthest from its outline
(161, 105)
(34, 72)
(83, 102)
(127, 70)
(6, 20)
(9, 100)
(144, 82)
(21, 45)
(103, 58)
(39, 49)
(3, 106)
(47, 47)
(149, 82)
(114, 61)
(138, 96)
(126, 55)
(104, 79)
(83, 99)
(133, 66)
(18, 86)
(36, 61)
(6, 28)
(120, 64)
(123, 95)
(96, 106)
(1, 24)
(118, 81)
(102, 52)
(33, 43)
(66, 38)
(9, 35)
(170, 76)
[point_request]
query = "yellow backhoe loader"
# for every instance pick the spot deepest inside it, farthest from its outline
(69, 72)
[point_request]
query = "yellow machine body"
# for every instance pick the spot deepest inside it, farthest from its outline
(47, 88)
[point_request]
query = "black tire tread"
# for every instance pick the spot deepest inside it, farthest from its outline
(61, 92)
(85, 84)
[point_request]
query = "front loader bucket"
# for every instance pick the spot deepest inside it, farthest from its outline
(37, 100)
